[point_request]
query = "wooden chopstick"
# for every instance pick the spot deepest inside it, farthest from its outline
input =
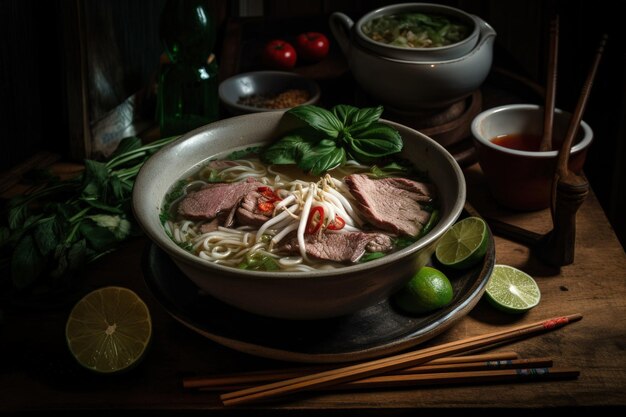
(563, 157)
(548, 118)
(379, 366)
(234, 380)
(497, 375)
(429, 368)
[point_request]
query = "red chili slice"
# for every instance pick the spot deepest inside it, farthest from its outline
(337, 224)
(311, 225)
(266, 206)
(269, 194)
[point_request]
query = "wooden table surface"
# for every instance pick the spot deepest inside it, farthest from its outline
(37, 372)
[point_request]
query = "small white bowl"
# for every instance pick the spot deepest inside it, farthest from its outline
(518, 179)
(263, 83)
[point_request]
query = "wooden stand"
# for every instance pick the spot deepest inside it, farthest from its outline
(557, 247)
(449, 126)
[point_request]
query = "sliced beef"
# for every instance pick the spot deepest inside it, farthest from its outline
(340, 247)
(249, 213)
(215, 199)
(392, 204)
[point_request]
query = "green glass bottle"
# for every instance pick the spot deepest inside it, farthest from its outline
(187, 89)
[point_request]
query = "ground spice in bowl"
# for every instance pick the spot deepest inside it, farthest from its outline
(286, 99)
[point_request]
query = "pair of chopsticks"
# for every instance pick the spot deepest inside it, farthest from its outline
(548, 121)
(437, 363)
(501, 366)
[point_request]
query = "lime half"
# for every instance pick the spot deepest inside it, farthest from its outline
(512, 290)
(464, 244)
(109, 329)
(428, 290)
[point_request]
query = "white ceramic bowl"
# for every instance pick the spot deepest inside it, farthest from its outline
(518, 179)
(263, 83)
(303, 295)
(415, 79)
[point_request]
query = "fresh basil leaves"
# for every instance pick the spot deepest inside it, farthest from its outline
(51, 233)
(333, 136)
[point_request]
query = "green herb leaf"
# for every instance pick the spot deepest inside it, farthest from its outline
(26, 263)
(392, 169)
(323, 157)
(99, 238)
(64, 224)
(333, 136)
(97, 204)
(432, 221)
(95, 179)
(288, 150)
(319, 119)
(252, 150)
(126, 145)
(377, 141)
(45, 235)
(258, 262)
(17, 216)
(370, 256)
(356, 119)
(404, 241)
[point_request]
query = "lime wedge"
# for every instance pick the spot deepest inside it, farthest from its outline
(512, 290)
(464, 244)
(109, 329)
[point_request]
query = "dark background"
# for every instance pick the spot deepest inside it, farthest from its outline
(57, 54)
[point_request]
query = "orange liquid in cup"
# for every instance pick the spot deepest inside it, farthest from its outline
(519, 141)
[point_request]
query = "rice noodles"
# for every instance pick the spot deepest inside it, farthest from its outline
(285, 215)
(233, 246)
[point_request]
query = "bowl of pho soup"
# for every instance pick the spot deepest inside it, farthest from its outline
(275, 240)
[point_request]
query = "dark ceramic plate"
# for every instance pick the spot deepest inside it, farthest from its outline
(378, 330)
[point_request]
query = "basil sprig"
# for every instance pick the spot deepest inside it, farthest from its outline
(330, 137)
(49, 235)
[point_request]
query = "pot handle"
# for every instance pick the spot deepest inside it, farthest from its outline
(340, 24)
(486, 31)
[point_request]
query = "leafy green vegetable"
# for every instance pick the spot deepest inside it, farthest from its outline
(370, 256)
(258, 262)
(392, 169)
(52, 233)
(332, 137)
(416, 30)
(252, 150)
(432, 221)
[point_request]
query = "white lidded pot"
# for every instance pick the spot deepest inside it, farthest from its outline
(410, 79)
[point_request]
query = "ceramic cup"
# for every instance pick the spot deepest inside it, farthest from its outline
(520, 179)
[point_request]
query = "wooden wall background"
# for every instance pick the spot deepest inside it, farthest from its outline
(48, 47)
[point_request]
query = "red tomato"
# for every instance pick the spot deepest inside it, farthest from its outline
(312, 46)
(279, 54)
